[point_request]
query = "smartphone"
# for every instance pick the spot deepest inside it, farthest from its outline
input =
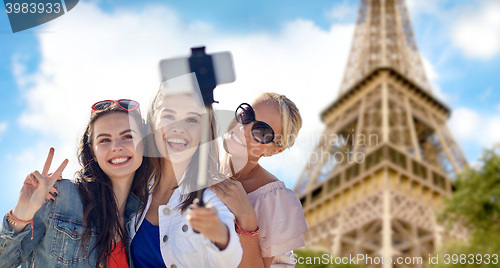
(222, 64)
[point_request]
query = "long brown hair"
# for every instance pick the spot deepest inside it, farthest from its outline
(100, 209)
(157, 162)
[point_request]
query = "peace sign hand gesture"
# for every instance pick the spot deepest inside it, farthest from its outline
(36, 187)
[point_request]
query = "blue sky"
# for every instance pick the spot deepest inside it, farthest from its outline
(51, 74)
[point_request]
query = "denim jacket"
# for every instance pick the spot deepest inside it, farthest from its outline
(57, 234)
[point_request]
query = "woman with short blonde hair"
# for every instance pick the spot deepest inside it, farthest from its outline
(261, 203)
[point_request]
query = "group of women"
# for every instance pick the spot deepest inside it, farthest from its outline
(128, 205)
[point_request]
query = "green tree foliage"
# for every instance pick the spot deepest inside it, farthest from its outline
(307, 260)
(475, 204)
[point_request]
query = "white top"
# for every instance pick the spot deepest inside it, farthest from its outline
(181, 247)
(281, 220)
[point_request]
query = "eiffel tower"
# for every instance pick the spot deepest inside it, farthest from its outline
(386, 158)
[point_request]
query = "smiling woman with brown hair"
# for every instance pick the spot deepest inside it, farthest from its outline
(86, 225)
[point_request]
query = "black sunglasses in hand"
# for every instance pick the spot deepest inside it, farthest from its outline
(261, 131)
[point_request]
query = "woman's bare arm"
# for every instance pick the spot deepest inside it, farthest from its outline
(236, 199)
(251, 254)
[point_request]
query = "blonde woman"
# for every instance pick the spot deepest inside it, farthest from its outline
(165, 236)
(261, 203)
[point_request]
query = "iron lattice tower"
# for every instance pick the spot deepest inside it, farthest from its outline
(386, 159)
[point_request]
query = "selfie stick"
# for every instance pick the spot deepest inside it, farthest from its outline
(201, 64)
(210, 70)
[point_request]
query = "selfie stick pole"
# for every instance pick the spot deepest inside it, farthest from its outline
(201, 64)
(210, 70)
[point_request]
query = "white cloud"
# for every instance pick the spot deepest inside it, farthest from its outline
(3, 128)
(468, 126)
(430, 71)
(418, 7)
(341, 12)
(36, 155)
(498, 107)
(464, 123)
(477, 33)
(433, 77)
(492, 130)
(115, 55)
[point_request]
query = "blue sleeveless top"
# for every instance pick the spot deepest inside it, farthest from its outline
(145, 247)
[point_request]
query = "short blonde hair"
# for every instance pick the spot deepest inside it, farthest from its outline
(290, 118)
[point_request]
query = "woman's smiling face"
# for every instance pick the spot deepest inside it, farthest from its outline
(238, 140)
(113, 144)
(178, 128)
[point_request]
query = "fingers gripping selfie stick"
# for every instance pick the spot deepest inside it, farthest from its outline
(210, 70)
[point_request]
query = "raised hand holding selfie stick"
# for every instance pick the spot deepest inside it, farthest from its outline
(210, 70)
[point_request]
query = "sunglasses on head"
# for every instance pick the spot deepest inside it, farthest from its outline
(125, 104)
(261, 131)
